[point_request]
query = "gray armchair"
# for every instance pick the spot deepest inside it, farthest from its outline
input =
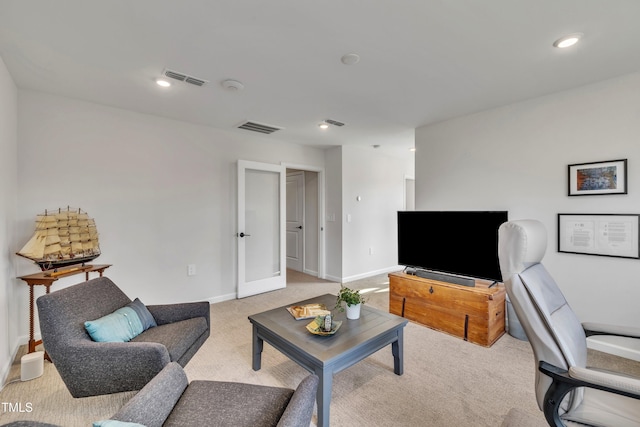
(90, 368)
(169, 400)
(567, 391)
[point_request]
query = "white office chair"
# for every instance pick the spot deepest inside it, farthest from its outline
(567, 391)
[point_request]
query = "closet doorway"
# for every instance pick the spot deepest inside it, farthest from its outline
(304, 221)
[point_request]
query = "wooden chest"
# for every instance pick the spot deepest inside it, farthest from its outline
(475, 314)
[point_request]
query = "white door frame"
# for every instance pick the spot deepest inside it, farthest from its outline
(244, 288)
(321, 219)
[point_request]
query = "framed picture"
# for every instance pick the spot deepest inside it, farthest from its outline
(614, 235)
(598, 178)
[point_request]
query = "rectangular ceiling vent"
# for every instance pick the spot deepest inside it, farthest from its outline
(175, 75)
(185, 78)
(334, 122)
(194, 81)
(258, 127)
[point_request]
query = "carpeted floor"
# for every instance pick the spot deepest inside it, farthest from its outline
(446, 381)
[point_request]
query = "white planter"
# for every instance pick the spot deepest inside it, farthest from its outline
(353, 311)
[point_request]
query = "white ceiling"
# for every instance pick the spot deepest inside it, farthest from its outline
(422, 61)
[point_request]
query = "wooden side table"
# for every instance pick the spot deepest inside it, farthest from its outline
(46, 279)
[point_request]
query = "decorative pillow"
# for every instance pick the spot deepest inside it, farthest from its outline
(146, 318)
(122, 325)
(115, 423)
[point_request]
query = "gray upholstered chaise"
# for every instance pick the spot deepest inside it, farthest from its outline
(91, 368)
(169, 400)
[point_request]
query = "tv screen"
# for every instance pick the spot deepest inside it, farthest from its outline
(463, 243)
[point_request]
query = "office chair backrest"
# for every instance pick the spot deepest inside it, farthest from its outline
(552, 328)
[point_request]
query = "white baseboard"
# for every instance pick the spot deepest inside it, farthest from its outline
(364, 275)
(372, 273)
(222, 298)
(332, 278)
(4, 370)
(311, 272)
(629, 348)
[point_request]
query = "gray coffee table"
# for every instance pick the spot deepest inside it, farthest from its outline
(327, 355)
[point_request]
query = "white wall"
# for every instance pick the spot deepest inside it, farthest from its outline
(516, 158)
(8, 202)
(369, 225)
(162, 192)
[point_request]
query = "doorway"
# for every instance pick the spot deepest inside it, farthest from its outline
(261, 223)
(260, 235)
(303, 229)
(409, 193)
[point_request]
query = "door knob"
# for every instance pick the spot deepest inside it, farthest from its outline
(242, 235)
(300, 227)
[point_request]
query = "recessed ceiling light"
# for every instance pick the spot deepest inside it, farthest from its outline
(324, 125)
(350, 59)
(163, 83)
(568, 40)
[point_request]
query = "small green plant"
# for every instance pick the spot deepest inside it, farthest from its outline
(349, 296)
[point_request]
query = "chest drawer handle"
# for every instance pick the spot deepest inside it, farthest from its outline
(431, 290)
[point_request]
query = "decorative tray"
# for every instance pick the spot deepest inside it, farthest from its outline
(315, 326)
(308, 311)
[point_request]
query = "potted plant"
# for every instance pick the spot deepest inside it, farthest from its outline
(352, 299)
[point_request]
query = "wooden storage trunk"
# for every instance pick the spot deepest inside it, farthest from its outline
(475, 314)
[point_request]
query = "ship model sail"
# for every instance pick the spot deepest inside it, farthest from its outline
(62, 238)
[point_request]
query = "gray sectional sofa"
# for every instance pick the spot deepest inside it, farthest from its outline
(90, 368)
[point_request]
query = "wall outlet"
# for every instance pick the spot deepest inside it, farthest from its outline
(191, 270)
(370, 251)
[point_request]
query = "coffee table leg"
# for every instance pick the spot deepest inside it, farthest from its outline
(323, 397)
(257, 349)
(397, 349)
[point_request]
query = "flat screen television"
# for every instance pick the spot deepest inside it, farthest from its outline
(463, 243)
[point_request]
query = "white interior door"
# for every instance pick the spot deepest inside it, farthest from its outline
(295, 221)
(261, 228)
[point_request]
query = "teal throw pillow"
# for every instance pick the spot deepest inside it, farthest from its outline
(122, 325)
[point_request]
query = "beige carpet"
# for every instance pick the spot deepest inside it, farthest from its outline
(446, 381)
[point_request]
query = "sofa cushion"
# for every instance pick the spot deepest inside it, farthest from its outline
(214, 403)
(178, 337)
(122, 325)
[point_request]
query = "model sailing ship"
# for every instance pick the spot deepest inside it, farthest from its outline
(62, 238)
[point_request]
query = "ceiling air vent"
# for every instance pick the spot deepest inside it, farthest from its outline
(185, 78)
(194, 81)
(175, 75)
(334, 122)
(258, 127)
